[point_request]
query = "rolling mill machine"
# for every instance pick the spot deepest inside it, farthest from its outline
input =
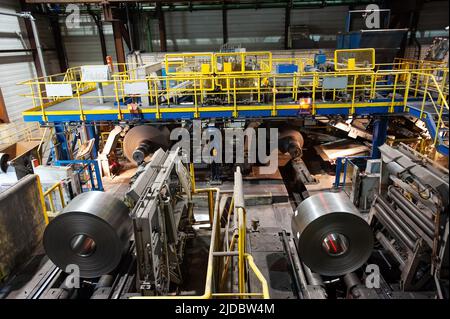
(226, 229)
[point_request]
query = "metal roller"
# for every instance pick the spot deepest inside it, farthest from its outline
(332, 237)
(93, 232)
(143, 140)
(4, 162)
(291, 141)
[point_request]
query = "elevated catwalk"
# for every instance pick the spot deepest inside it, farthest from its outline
(249, 85)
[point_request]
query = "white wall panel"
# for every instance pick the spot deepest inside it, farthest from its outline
(83, 43)
(15, 67)
(194, 31)
(261, 29)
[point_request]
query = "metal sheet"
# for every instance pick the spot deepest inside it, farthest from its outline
(335, 82)
(95, 73)
(92, 232)
(59, 89)
(322, 215)
(136, 88)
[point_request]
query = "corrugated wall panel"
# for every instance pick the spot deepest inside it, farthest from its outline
(48, 43)
(323, 24)
(328, 20)
(83, 44)
(146, 25)
(261, 29)
(194, 31)
(434, 16)
(14, 67)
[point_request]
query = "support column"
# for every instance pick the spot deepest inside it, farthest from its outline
(62, 149)
(118, 43)
(379, 135)
(224, 24)
(287, 23)
(32, 42)
(414, 22)
(98, 22)
(3, 113)
(162, 27)
(59, 45)
(92, 133)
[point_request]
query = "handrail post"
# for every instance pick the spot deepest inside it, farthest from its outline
(196, 115)
(235, 113)
(352, 110)
(424, 97)
(80, 105)
(274, 97)
(405, 98)
(394, 90)
(314, 82)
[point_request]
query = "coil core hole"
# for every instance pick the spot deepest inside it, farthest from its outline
(82, 245)
(335, 244)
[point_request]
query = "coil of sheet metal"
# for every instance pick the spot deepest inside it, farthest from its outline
(143, 140)
(332, 237)
(92, 232)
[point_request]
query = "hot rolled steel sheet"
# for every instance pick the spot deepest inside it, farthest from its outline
(93, 232)
(143, 140)
(332, 237)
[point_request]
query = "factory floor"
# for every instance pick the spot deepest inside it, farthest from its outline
(118, 185)
(268, 205)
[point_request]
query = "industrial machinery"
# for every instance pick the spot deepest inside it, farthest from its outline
(184, 229)
(135, 246)
(410, 218)
(97, 232)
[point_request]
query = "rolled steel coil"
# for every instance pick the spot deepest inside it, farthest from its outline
(143, 140)
(332, 237)
(92, 232)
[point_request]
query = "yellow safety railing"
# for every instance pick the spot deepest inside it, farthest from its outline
(354, 59)
(189, 63)
(359, 89)
(411, 64)
(243, 62)
(161, 94)
(433, 95)
(213, 279)
(49, 194)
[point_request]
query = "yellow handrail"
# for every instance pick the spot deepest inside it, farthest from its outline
(362, 88)
(215, 236)
(49, 193)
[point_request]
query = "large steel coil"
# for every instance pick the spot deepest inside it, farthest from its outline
(92, 232)
(332, 237)
(143, 140)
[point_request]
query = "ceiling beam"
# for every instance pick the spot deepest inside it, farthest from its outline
(256, 4)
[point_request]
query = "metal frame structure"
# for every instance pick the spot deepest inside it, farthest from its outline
(417, 88)
(245, 261)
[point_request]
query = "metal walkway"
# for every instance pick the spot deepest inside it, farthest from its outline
(397, 91)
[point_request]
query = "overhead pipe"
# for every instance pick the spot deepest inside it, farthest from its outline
(27, 15)
(260, 5)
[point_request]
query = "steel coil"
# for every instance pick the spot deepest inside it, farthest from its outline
(332, 237)
(92, 232)
(143, 140)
